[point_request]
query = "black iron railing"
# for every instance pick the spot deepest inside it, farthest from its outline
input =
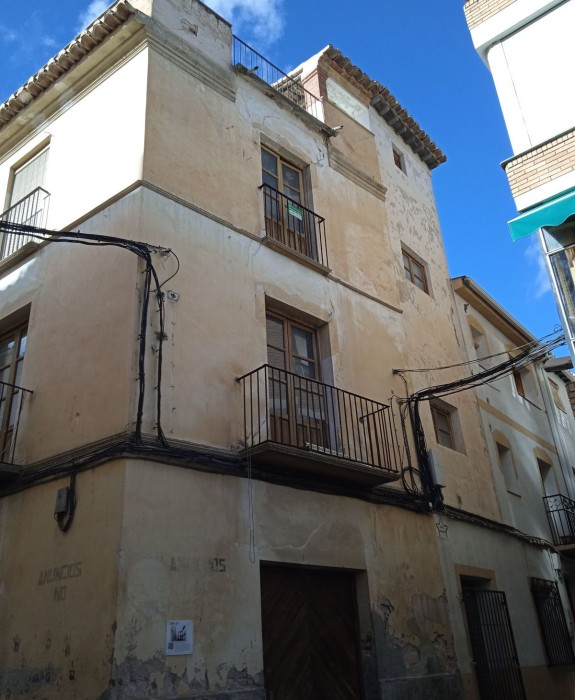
(294, 225)
(561, 515)
(32, 210)
(253, 63)
(11, 401)
(287, 409)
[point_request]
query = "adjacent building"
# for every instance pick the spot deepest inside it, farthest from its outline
(229, 464)
(525, 45)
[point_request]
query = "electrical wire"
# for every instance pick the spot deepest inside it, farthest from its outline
(143, 251)
(531, 343)
(531, 352)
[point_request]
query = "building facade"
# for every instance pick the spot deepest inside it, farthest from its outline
(216, 280)
(525, 46)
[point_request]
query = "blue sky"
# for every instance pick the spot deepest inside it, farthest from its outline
(422, 52)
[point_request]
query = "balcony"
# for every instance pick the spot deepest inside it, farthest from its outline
(561, 515)
(32, 210)
(295, 423)
(12, 398)
(293, 228)
(250, 62)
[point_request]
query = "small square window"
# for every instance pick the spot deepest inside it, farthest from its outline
(446, 425)
(508, 469)
(442, 426)
(415, 271)
(398, 159)
(517, 378)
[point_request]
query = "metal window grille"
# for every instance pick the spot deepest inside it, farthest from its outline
(493, 646)
(552, 622)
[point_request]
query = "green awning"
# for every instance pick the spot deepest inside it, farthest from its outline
(551, 213)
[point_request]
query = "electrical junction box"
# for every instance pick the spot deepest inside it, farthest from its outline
(62, 499)
(437, 473)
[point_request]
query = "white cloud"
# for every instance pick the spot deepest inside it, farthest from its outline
(94, 9)
(534, 256)
(7, 35)
(257, 20)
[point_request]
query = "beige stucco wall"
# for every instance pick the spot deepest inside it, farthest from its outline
(208, 519)
(175, 542)
(83, 308)
(58, 590)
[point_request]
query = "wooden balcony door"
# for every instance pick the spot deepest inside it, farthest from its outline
(310, 634)
(297, 401)
(287, 220)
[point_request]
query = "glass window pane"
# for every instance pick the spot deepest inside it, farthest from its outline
(270, 180)
(269, 162)
(444, 439)
(18, 376)
(6, 350)
(14, 410)
(275, 331)
(22, 348)
(302, 343)
(441, 421)
(419, 282)
(292, 194)
(291, 178)
(303, 368)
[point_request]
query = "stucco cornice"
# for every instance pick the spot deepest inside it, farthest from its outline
(65, 60)
(387, 107)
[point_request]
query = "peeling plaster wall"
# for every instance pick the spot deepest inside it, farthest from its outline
(430, 323)
(208, 571)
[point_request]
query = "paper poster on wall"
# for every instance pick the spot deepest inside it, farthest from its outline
(179, 637)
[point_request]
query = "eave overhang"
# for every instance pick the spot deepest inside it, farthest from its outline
(97, 32)
(387, 106)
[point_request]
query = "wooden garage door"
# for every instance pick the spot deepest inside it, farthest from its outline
(310, 634)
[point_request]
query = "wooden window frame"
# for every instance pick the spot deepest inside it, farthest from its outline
(518, 381)
(435, 411)
(410, 266)
(398, 159)
(279, 177)
(289, 323)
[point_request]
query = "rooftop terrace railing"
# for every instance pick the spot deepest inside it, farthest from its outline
(253, 63)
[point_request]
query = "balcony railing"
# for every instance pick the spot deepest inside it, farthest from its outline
(561, 514)
(290, 223)
(253, 63)
(11, 401)
(287, 410)
(32, 210)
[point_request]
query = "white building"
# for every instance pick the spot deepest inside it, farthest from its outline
(527, 46)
